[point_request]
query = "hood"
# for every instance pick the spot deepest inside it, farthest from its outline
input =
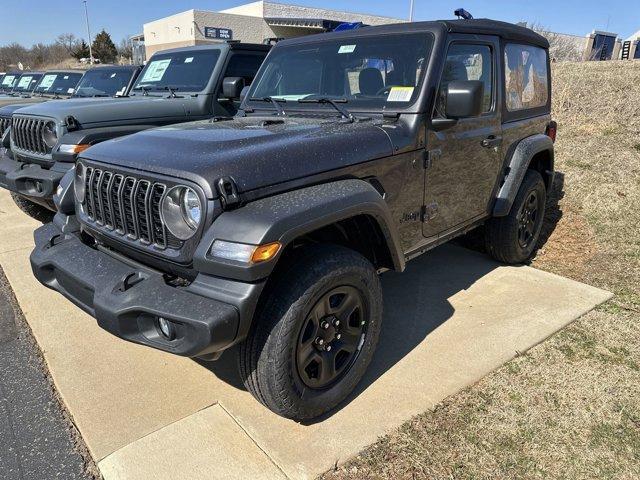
(95, 112)
(254, 151)
(8, 110)
(22, 100)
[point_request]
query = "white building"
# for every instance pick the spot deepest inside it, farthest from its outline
(252, 23)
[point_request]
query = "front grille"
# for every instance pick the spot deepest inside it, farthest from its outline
(26, 133)
(5, 122)
(127, 206)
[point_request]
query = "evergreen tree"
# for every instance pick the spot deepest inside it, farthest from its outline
(104, 48)
(81, 52)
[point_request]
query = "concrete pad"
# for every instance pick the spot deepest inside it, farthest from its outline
(191, 448)
(451, 318)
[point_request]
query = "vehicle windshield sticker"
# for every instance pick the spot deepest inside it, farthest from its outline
(347, 49)
(155, 70)
(66, 77)
(24, 82)
(8, 80)
(188, 60)
(400, 94)
(47, 81)
(113, 75)
(71, 90)
(120, 92)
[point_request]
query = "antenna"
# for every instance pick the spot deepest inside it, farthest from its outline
(411, 11)
(462, 13)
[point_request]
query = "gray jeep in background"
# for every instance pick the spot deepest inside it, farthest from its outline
(175, 86)
(17, 84)
(52, 85)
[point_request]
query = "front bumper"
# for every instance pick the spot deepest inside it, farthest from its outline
(31, 180)
(127, 298)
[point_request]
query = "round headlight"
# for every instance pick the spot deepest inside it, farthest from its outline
(49, 134)
(80, 182)
(182, 212)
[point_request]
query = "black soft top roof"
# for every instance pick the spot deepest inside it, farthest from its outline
(508, 31)
(481, 26)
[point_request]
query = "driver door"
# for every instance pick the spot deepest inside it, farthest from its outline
(464, 160)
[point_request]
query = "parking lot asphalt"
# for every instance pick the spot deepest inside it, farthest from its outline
(35, 438)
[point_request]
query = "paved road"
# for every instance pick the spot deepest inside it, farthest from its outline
(35, 440)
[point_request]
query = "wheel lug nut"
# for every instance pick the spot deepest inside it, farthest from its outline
(324, 325)
(336, 323)
(328, 348)
(338, 336)
(319, 341)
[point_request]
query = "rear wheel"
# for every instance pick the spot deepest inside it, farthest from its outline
(315, 336)
(32, 209)
(514, 238)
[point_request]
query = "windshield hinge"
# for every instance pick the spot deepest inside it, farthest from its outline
(228, 192)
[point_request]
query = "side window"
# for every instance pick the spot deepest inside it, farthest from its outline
(526, 77)
(245, 66)
(467, 62)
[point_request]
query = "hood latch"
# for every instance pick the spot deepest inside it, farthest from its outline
(228, 192)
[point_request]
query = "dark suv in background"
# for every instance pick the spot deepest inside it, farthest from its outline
(175, 86)
(23, 83)
(54, 84)
(354, 153)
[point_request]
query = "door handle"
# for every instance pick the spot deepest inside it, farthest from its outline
(491, 141)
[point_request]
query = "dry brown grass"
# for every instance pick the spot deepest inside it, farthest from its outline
(569, 408)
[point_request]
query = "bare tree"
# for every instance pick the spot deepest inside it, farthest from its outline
(124, 49)
(68, 41)
(562, 48)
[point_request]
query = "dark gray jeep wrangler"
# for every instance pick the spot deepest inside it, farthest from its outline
(54, 84)
(177, 85)
(354, 152)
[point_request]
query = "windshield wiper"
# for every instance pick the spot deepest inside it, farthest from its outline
(145, 90)
(172, 91)
(274, 101)
(334, 103)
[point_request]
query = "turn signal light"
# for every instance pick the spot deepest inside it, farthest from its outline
(74, 148)
(265, 252)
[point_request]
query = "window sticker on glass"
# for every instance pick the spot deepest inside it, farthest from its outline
(113, 75)
(24, 82)
(347, 49)
(71, 90)
(66, 77)
(120, 92)
(188, 60)
(8, 80)
(47, 81)
(155, 70)
(400, 94)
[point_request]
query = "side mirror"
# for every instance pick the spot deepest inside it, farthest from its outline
(232, 87)
(464, 99)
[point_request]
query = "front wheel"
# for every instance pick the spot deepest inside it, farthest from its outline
(32, 209)
(514, 238)
(316, 334)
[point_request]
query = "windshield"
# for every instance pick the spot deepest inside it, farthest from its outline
(58, 83)
(26, 82)
(183, 71)
(104, 82)
(369, 72)
(8, 82)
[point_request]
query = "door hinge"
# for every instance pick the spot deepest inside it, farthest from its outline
(429, 157)
(429, 212)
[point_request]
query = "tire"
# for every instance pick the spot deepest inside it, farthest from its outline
(32, 209)
(506, 239)
(281, 362)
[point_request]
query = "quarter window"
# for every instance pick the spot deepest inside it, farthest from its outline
(526, 77)
(467, 62)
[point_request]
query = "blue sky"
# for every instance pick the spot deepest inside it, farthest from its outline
(43, 20)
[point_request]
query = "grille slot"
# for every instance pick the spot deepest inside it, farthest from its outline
(4, 124)
(127, 206)
(27, 134)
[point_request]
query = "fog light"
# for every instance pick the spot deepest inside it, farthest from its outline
(166, 328)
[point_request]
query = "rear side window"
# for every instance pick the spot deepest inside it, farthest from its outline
(526, 77)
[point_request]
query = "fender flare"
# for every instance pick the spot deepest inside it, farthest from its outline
(517, 167)
(284, 217)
